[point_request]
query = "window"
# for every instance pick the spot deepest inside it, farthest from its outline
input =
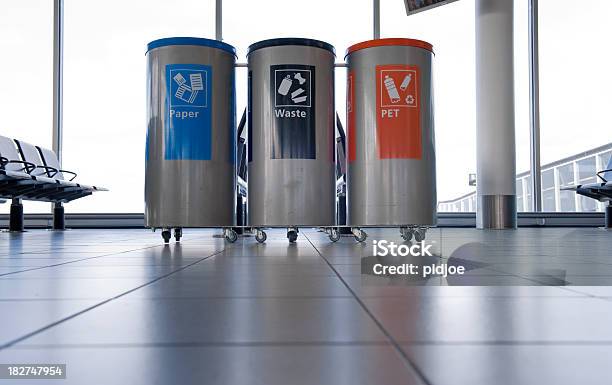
(586, 174)
(527, 188)
(574, 95)
(104, 84)
(566, 179)
(520, 198)
(586, 170)
(105, 87)
(605, 161)
(26, 99)
(548, 190)
(523, 193)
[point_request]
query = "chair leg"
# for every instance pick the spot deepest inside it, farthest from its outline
(608, 217)
(59, 220)
(16, 216)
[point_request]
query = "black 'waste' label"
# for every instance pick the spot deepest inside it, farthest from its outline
(292, 88)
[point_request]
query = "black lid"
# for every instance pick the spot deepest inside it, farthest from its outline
(291, 41)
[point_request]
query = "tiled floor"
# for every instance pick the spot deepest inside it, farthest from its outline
(118, 307)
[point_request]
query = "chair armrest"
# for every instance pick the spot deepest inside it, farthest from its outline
(3, 161)
(74, 174)
(601, 172)
(29, 167)
(47, 168)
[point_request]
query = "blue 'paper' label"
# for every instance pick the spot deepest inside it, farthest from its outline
(188, 117)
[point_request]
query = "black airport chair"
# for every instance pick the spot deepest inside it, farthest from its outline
(32, 173)
(15, 178)
(47, 168)
(602, 191)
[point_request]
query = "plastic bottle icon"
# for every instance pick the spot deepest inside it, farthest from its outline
(391, 89)
(405, 82)
(285, 85)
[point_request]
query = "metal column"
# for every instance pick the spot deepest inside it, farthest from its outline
(219, 20)
(58, 85)
(376, 18)
(495, 131)
(534, 107)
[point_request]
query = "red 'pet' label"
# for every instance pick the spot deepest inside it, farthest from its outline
(398, 112)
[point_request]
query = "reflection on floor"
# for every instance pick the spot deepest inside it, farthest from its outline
(118, 307)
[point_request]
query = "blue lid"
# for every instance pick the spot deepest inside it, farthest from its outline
(291, 41)
(191, 41)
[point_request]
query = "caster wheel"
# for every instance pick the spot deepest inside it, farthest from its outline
(178, 233)
(292, 236)
(231, 236)
(360, 235)
(419, 235)
(406, 234)
(166, 235)
(261, 236)
(334, 235)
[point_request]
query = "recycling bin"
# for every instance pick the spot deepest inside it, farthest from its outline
(291, 179)
(391, 171)
(190, 173)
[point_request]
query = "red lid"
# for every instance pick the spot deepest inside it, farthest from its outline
(388, 42)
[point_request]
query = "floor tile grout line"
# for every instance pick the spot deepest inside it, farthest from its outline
(508, 343)
(193, 298)
(75, 260)
(308, 343)
(409, 363)
(564, 288)
(289, 297)
(28, 335)
(83, 259)
(206, 344)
